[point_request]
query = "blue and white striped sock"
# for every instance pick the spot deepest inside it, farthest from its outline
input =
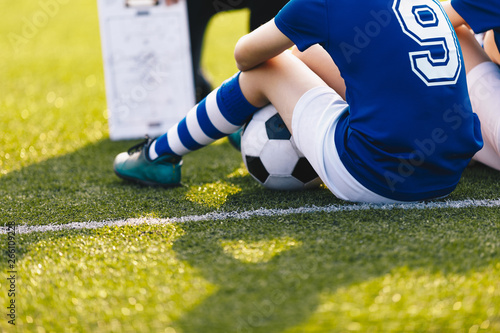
(221, 113)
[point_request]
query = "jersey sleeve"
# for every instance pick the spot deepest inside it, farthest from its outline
(304, 22)
(480, 15)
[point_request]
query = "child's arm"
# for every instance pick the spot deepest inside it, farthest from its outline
(260, 45)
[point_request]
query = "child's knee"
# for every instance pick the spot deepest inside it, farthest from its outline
(491, 47)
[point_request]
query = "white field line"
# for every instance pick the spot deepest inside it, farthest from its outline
(217, 216)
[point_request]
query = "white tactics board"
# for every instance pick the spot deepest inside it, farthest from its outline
(147, 65)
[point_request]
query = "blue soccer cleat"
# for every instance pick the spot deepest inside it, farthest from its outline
(135, 166)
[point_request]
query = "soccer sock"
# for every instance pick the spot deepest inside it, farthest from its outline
(221, 113)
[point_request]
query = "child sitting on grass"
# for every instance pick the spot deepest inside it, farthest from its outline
(404, 132)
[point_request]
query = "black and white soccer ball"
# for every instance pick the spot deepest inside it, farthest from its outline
(270, 155)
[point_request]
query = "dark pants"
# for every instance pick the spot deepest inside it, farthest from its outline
(200, 13)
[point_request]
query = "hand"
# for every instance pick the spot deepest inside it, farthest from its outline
(171, 2)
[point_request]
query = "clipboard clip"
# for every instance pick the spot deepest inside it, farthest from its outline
(141, 3)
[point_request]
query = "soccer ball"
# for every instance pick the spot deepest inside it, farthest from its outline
(270, 155)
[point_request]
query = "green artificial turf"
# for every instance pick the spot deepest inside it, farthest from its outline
(432, 270)
(381, 272)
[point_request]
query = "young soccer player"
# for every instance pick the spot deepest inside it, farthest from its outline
(405, 132)
(483, 75)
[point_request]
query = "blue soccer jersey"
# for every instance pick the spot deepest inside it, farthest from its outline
(480, 15)
(410, 130)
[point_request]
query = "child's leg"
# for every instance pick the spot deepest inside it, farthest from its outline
(158, 162)
(221, 113)
(483, 80)
(281, 81)
(321, 63)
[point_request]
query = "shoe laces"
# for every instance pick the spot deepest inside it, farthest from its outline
(138, 147)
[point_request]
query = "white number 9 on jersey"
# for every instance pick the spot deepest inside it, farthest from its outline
(425, 22)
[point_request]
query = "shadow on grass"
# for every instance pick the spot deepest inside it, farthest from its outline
(332, 251)
(322, 253)
(81, 186)
(270, 274)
